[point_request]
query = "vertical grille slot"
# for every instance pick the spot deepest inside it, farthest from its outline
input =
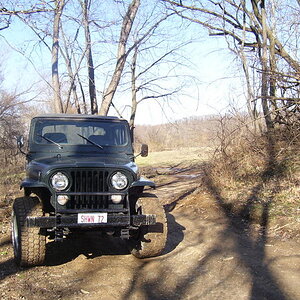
(88, 181)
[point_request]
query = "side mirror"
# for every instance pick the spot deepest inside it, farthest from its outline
(20, 144)
(20, 141)
(144, 150)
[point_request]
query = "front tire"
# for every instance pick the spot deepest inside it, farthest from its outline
(28, 243)
(149, 241)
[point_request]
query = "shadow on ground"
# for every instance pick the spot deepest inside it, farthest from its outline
(8, 266)
(248, 248)
(89, 244)
(95, 244)
(251, 250)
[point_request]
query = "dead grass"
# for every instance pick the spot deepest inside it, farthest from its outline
(259, 183)
(249, 188)
(10, 179)
(173, 158)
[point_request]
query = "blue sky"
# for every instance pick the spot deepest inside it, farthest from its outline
(211, 65)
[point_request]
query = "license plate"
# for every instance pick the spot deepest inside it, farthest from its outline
(92, 218)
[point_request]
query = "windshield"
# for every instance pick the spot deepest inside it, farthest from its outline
(81, 132)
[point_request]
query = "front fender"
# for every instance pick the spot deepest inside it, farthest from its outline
(30, 183)
(143, 181)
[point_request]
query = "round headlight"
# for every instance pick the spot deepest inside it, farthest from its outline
(119, 181)
(59, 181)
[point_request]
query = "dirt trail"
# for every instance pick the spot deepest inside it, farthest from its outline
(210, 255)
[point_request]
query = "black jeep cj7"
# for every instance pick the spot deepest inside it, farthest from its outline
(81, 175)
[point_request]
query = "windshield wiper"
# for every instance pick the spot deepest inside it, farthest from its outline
(88, 140)
(50, 141)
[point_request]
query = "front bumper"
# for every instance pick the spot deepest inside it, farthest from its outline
(117, 220)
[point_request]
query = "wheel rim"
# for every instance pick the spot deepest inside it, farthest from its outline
(15, 235)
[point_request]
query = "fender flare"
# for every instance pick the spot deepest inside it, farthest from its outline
(143, 181)
(29, 183)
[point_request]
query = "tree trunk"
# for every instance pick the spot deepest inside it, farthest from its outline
(58, 105)
(121, 57)
(72, 77)
(77, 78)
(89, 57)
(85, 110)
(133, 89)
(251, 101)
(273, 63)
(265, 78)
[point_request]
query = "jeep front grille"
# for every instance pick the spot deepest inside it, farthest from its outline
(88, 181)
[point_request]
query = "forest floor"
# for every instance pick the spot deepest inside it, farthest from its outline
(213, 252)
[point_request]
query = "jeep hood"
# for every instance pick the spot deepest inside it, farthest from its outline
(83, 161)
(43, 165)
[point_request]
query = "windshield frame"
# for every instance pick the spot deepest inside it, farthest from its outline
(80, 148)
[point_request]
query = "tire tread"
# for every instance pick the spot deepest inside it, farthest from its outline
(32, 245)
(151, 241)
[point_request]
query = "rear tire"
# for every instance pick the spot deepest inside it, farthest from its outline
(149, 240)
(28, 243)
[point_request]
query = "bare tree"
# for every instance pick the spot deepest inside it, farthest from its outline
(121, 56)
(11, 125)
(248, 26)
(67, 49)
(72, 75)
(265, 68)
(71, 39)
(134, 102)
(147, 83)
(28, 13)
(10, 8)
(89, 56)
(58, 105)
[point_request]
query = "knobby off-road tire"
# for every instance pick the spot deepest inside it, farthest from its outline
(150, 240)
(29, 245)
